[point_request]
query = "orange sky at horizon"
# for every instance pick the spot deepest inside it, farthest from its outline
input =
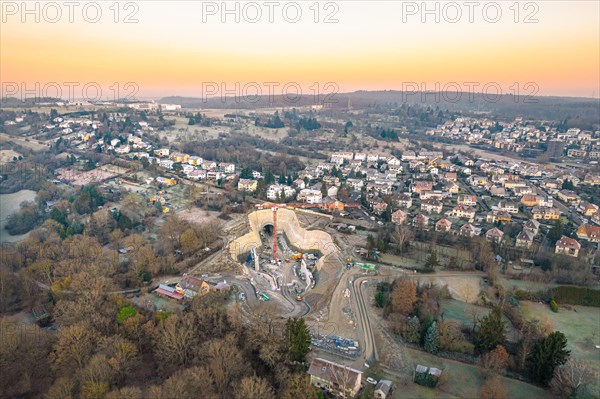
(175, 53)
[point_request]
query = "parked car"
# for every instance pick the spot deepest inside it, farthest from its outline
(371, 381)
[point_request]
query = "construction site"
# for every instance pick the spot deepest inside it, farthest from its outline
(281, 258)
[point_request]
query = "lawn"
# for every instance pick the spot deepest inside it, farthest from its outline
(464, 380)
(461, 312)
(581, 326)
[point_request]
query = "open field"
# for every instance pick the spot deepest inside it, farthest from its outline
(463, 313)
(463, 288)
(80, 178)
(9, 203)
(464, 380)
(7, 156)
(415, 258)
(265, 133)
(197, 215)
(32, 144)
(581, 326)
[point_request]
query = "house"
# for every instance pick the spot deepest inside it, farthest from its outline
(194, 160)
(522, 190)
(393, 161)
(498, 216)
(421, 222)
(494, 235)
(443, 225)
(451, 187)
(545, 213)
(256, 175)
(300, 184)
(592, 179)
(470, 200)
(533, 226)
(161, 152)
(567, 246)
(404, 200)
(179, 157)
(497, 191)
(247, 185)
(340, 157)
(227, 167)
(331, 204)
(165, 180)
(524, 239)
(462, 211)
(434, 194)
(451, 176)
(546, 201)
(419, 186)
(209, 165)
(191, 286)
(275, 192)
(379, 208)
(468, 230)
(588, 232)
(587, 209)
(221, 286)
(568, 196)
(399, 217)
(197, 174)
(382, 389)
(530, 200)
(356, 184)
(310, 196)
(431, 206)
(360, 156)
(335, 378)
(168, 291)
(508, 206)
(332, 191)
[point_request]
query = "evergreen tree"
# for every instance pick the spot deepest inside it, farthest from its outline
(297, 339)
(324, 189)
(491, 331)
(555, 233)
(547, 354)
(432, 339)
(432, 261)
(269, 178)
(413, 333)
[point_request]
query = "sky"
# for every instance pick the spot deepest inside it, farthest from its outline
(193, 48)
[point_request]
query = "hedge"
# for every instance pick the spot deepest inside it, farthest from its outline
(576, 295)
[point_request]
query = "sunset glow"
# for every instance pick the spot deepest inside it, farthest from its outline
(171, 51)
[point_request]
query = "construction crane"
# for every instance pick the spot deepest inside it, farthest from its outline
(275, 233)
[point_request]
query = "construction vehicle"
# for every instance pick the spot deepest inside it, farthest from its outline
(299, 298)
(265, 297)
(297, 256)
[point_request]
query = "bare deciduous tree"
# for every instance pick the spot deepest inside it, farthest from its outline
(572, 378)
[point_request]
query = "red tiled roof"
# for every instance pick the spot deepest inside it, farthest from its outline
(175, 295)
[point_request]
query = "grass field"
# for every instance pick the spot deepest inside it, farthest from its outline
(581, 326)
(462, 312)
(464, 381)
